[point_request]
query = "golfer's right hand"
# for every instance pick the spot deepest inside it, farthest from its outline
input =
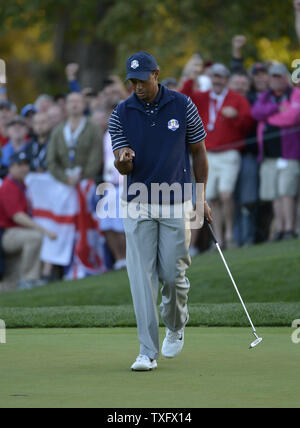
(126, 155)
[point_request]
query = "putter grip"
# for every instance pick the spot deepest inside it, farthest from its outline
(211, 230)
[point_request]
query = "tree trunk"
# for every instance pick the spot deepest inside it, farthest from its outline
(94, 56)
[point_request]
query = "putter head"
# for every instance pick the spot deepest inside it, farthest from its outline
(255, 343)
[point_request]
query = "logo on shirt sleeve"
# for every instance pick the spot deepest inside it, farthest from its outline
(173, 124)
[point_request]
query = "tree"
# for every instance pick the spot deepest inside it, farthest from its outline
(101, 34)
(71, 28)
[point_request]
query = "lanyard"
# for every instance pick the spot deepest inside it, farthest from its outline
(39, 155)
(215, 104)
(213, 112)
(72, 155)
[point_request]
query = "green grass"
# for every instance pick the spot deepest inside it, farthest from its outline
(90, 368)
(268, 278)
(227, 314)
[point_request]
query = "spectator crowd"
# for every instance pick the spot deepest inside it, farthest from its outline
(60, 145)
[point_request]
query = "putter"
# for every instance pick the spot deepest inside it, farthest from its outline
(258, 339)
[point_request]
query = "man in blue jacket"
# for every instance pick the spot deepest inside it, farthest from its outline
(154, 132)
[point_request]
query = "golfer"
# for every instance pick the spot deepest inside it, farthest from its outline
(154, 133)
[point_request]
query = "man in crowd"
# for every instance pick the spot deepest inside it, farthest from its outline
(37, 149)
(260, 81)
(19, 231)
(7, 111)
(55, 116)
(240, 82)
(43, 103)
(17, 131)
(278, 113)
(227, 117)
(28, 112)
(74, 151)
(113, 91)
(60, 101)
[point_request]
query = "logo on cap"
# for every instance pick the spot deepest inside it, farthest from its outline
(173, 124)
(135, 64)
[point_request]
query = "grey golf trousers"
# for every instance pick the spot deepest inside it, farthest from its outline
(157, 251)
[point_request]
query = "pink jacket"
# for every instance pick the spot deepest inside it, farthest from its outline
(265, 110)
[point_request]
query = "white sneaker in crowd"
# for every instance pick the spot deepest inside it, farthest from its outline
(173, 343)
(143, 363)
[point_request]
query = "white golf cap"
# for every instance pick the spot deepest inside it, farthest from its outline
(219, 70)
(278, 70)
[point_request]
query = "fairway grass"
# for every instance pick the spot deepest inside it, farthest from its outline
(90, 368)
(227, 314)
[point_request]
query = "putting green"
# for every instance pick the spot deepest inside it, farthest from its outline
(90, 368)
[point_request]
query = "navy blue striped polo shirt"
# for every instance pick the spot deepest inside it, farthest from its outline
(159, 133)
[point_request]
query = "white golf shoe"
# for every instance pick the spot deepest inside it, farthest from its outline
(143, 363)
(173, 343)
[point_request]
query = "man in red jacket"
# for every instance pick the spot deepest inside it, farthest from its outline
(227, 118)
